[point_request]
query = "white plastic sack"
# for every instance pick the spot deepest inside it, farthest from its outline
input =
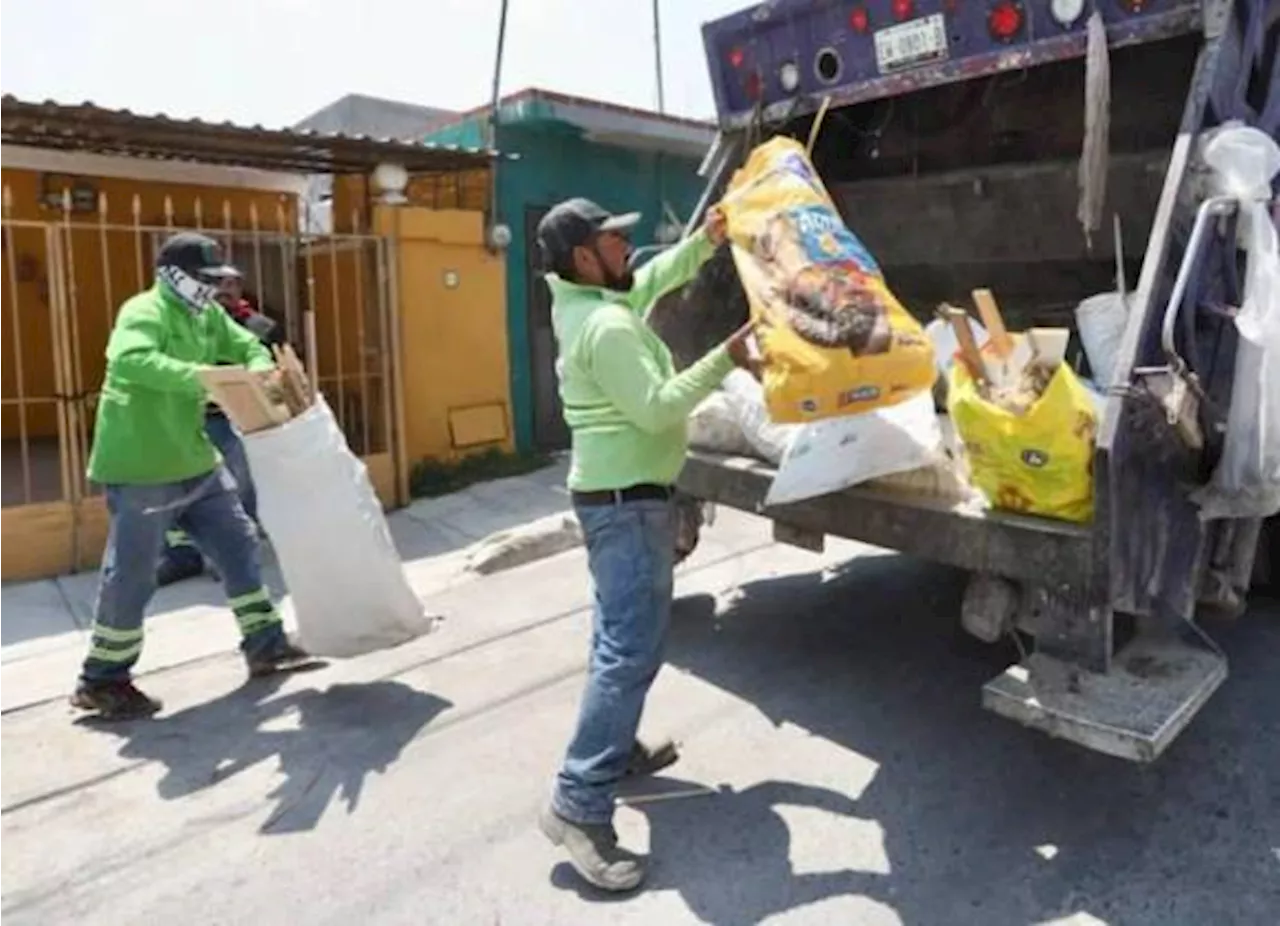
(1101, 320)
(733, 420)
(349, 593)
(833, 454)
(1246, 483)
(714, 426)
(769, 441)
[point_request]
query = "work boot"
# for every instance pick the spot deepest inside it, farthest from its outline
(177, 568)
(594, 853)
(649, 760)
(286, 657)
(114, 700)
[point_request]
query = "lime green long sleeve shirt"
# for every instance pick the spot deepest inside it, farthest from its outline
(150, 420)
(624, 402)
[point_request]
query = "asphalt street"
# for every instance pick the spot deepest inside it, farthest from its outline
(828, 705)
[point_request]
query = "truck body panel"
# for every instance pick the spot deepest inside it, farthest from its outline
(940, 168)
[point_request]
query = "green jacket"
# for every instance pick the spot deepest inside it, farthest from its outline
(624, 402)
(150, 423)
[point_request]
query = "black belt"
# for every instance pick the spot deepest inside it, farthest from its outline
(641, 493)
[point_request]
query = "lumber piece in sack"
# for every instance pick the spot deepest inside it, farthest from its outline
(292, 381)
(299, 371)
(989, 311)
(1006, 366)
(1038, 355)
(970, 356)
(241, 394)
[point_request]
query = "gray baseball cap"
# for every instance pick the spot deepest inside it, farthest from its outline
(574, 223)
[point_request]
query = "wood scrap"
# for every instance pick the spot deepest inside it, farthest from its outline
(970, 356)
(293, 380)
(1016, 369)
(993, 321)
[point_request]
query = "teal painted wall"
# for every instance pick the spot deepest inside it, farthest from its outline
(556, 163)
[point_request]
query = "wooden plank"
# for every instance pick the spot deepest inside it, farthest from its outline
(993, 321)
(970, 356)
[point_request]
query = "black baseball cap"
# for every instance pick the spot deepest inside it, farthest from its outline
(197, 255)
(575, 222)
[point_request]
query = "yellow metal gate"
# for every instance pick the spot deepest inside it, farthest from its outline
(65, 275)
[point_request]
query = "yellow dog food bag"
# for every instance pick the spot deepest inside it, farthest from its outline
(835, 340)
(1039, 462)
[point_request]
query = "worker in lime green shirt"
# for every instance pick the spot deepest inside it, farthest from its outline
(627, 409)
(157, 466)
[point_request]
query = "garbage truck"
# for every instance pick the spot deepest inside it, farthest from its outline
(962, 142)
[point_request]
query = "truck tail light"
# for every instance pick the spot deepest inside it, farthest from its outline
(754, 85)
(902, 9)
(859, 21)
(1005, 20)
(736, 57)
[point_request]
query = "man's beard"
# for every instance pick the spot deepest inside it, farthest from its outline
(619, 282)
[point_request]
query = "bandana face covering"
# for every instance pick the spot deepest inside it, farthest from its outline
(194, 294)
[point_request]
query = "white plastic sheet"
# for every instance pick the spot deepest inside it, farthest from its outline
(835, 453)
(348, 589)
(1246, 483)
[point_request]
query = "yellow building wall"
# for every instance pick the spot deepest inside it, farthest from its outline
(109, 256)
(452, 332)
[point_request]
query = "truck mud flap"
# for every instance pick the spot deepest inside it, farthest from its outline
(1155, 688)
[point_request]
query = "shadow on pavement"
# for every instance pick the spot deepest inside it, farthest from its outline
(326, 742)
(983, 821)
(728, 853)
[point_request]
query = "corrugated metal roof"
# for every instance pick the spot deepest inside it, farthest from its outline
(89, 127)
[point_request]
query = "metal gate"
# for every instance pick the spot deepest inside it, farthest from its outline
(65, 275)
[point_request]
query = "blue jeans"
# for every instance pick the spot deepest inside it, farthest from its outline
(139, 516)
(224, 437)
(630, 552)
(178, 548)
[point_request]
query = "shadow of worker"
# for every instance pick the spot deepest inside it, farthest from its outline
(326, 742)
(728, 853)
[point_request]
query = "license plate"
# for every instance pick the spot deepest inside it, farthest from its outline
(911, 43)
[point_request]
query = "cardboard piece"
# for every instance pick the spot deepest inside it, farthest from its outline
(242, 394)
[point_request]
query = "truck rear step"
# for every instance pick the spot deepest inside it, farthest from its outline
(1154, 689)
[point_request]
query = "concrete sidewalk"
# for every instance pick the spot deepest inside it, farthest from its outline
(44, 626)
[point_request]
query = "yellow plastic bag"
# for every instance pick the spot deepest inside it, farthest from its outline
(835, 340)
(1040, 462)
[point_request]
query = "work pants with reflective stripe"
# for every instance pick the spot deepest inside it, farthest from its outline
(210, 509)
(178, 549)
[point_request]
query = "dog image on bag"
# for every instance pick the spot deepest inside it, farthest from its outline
(829, 303)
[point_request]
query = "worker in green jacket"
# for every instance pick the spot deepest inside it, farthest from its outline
(627, 409)
(156, 464)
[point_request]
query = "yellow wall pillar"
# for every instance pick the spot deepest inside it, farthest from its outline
(450, 301)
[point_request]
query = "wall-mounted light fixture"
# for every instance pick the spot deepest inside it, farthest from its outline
(389, 182)
(500, 236)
